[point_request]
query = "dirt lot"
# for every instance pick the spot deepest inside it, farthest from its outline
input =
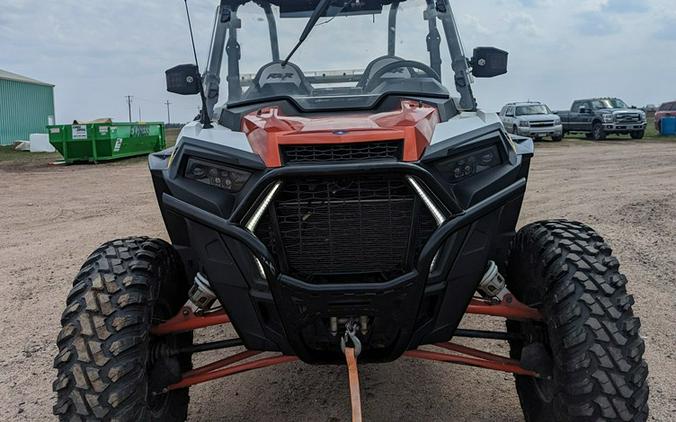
(52, 217)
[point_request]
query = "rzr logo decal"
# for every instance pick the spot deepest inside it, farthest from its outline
(281, 76)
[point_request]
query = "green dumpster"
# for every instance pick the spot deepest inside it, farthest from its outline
(94, 142)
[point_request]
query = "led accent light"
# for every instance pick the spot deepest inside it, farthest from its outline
(218, 175)
(256, 217)
(436, 213)
(471, 164)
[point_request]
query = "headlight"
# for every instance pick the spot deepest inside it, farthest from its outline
(608, 118)
(524, 123)
(218, 175)
(470, 164)
(557, 122)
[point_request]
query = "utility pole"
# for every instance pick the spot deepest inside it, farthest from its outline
(168, 113)
(129, 101)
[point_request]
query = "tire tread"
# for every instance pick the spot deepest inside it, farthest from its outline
(105, 330)
(593, 332)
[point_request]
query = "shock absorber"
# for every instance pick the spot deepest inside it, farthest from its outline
(201, 295)
(492, 285)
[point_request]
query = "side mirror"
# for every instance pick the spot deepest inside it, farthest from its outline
(183, 79)
(584, 110)
(488, 62)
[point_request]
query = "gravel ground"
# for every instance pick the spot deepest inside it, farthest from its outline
(52, 217)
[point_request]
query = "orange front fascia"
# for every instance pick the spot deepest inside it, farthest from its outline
(413, 124)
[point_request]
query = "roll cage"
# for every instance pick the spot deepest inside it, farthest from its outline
(224, 39)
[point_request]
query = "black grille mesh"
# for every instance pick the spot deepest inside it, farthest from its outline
(627, 118)
(357, 229)
(298, 154)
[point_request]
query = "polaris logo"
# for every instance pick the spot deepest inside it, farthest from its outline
(280, 76)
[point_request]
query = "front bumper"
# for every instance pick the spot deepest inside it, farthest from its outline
(280, 313)
(623, 127)
(541, 132)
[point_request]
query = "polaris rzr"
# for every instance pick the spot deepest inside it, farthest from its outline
(344, 215)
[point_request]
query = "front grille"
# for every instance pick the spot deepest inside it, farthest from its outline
(346, 229)
(627, 118)
(384, 150)
(542, 124)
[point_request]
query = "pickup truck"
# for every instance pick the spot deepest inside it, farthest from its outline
(599, 117)
(665, 110)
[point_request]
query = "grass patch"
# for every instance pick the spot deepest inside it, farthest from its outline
(11, 157)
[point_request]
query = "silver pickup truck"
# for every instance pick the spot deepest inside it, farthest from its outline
(532, 119)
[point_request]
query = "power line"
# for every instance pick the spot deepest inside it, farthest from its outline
(129, 101)
(168, 112)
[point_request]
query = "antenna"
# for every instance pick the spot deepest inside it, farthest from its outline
(204, 114)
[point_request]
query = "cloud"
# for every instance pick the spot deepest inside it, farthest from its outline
(609, 18)
(625, 6)
(596, 23)
(666, 29)
(522, 23)
(473, 24)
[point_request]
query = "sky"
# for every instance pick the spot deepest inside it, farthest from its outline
(97, 52)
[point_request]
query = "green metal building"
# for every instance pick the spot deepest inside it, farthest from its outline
(26, 106)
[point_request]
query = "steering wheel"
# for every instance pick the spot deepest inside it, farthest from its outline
(376, 78)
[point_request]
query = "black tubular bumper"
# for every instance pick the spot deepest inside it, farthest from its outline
(280, 312)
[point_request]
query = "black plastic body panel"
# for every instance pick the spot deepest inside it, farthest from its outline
(280, 313)
(231, 117)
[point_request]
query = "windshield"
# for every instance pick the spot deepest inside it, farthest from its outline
(356, 52)
(608, 103)
(531, 110)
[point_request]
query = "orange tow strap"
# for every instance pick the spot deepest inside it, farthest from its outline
(353, 374)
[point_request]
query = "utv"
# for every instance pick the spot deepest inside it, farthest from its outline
(331, 216)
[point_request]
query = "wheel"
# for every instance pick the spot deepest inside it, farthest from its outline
(638, 134)
(589, 341)
(105, 366)
(557, 138)
(598, 134)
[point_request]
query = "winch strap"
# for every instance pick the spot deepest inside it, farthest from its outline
(353, 375)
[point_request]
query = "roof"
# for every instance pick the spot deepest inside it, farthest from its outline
(518, 103)
(304, 8)
(20, 78)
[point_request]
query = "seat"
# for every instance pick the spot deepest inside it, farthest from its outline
(273, 79)
(375, 66)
